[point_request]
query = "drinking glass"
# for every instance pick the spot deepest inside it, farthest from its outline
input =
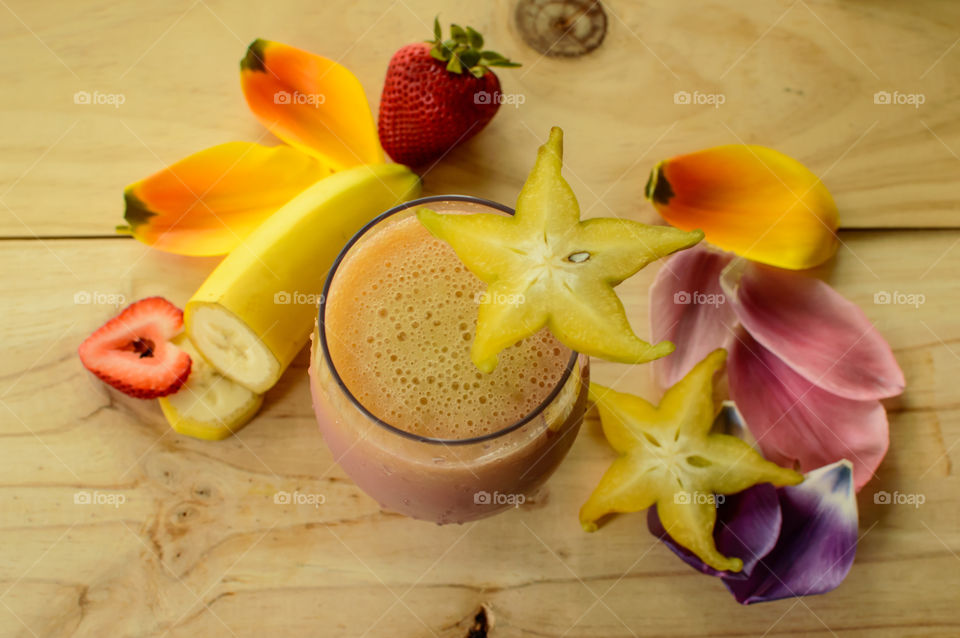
(437, 479)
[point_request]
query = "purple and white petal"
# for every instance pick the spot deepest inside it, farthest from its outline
(747, 527)
(817, 543)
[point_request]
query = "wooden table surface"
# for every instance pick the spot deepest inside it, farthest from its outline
(198, 547)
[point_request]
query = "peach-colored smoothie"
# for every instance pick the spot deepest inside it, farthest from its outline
(435, 438)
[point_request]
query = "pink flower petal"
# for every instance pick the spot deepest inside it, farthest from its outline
(810, 326)
(688, 307)
(795, 421)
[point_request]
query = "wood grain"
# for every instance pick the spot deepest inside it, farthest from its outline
(797, 75)
(199, 548)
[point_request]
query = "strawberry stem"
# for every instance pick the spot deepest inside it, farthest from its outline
(464, 51)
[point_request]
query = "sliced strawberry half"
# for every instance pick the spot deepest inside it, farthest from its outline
(132, 352)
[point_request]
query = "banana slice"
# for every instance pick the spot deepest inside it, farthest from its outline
(209, 406)
(233, 348)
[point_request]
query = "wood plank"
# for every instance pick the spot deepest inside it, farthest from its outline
(198, 547)
(798, 76)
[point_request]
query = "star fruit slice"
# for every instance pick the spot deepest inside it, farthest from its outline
(670, 458)
(543, 266)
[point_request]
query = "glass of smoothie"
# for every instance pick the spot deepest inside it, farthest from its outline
(398, 400)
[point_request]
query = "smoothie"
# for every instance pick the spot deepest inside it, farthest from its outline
(402, 406)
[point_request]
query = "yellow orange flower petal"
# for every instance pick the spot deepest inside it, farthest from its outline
(310, 102)
(751, 200)
(207, 203)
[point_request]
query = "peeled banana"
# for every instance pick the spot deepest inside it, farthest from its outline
(255, 311)
(208, 406)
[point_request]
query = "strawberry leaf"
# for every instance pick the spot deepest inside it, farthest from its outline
(475, 39)
(454, 65)
(458, 34)
(464, 50)
(469, 58)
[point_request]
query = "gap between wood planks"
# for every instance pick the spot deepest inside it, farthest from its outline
(851, 229)
(55, 237)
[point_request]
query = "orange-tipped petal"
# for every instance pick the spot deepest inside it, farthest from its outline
(311, 103)
(207, 203)
(751, 200)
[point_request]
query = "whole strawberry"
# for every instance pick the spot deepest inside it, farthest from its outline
(437, 95)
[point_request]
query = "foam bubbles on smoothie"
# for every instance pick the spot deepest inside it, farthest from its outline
(402, 345)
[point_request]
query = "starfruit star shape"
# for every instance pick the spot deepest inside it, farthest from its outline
(669, 457)
(543, 266)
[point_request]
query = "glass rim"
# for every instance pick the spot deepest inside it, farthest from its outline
(321, 329)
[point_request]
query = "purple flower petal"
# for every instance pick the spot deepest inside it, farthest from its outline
(818, 539)
(794, 541)
(748, 525)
